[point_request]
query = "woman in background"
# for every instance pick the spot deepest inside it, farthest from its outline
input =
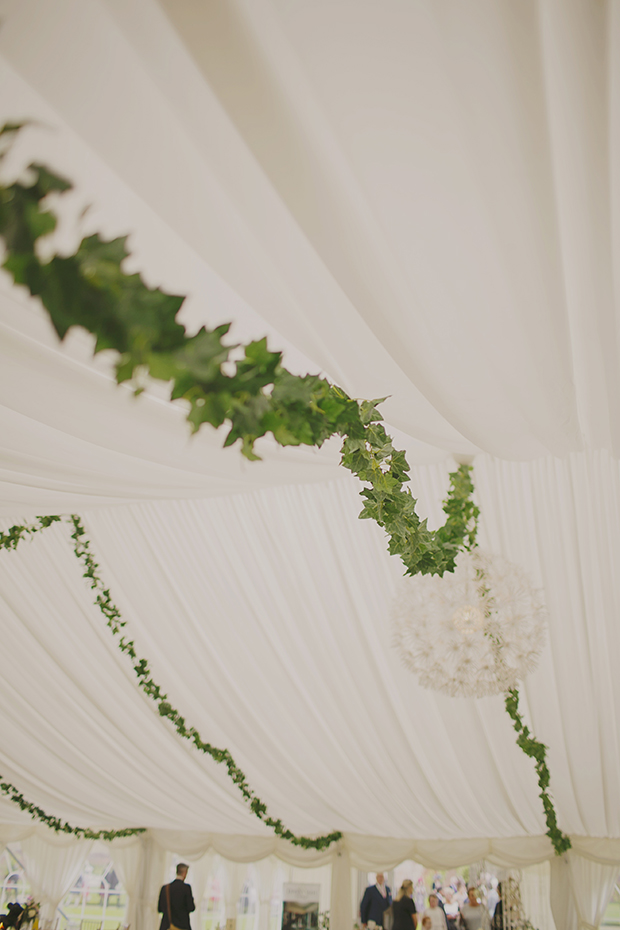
(403, 908)
(451, 908)
(474, 916)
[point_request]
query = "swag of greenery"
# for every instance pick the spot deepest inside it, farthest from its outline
(10, 540)
(255, 395)
(114, 621)
(60, 826)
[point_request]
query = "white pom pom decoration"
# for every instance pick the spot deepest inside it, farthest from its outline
(474, 632)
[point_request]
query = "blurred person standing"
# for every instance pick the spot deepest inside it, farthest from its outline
(474, 915)
(498, 912)
(403, 908)
(176, 901)
(450, 909)
(377, 898)
(435, 913)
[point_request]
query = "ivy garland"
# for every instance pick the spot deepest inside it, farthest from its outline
(529, 745)
(9, 540)
(90, 289)
(537, 751)
(15, 534)
(114, 621)
(145, 681)
(60, 826)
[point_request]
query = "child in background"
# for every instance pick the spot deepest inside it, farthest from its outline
(435, 914)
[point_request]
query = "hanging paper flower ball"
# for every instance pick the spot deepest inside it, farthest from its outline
(473, 632)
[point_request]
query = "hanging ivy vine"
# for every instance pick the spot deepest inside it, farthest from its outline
(141, 668)
(537, 751)
(254, 396)
(526, 740)
(61, 826)
(15, 534)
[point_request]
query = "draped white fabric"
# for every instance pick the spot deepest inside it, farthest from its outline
(200, 870)
(249, 608)
(127, 859)
(263, 874)
(52, 869)
(270, 161)
(580, 891)
(535, 888)
(234, 874)
(419, 200)
(152, 876)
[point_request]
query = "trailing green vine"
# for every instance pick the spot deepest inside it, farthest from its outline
(146, 682)
(116, 624)
(537, 751)
(61, 826)
(10, 540)
(254, 395)
(525, 740)
(15, 534)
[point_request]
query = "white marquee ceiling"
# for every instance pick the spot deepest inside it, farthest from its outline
(419, 200)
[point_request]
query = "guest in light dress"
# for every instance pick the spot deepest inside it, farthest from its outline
(451, 908)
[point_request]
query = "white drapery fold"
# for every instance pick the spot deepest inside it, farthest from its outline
(152, 874)
(127, 858)
(581, 882)
(279, 152)
(365, 852)
(340, 906)
(52, 868)
(306, 761)
(12, 833)
(581, 889)
(535, 888)
(198, 877)
(234, 874)
(263, 875)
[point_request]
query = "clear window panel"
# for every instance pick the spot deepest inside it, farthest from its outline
(15, 885)
(97, 895)
(612, 914)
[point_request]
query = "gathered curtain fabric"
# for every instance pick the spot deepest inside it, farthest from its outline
(235, 874)
(52, 869)
(581, 889)
(127, 859)
(535, 895)
(152, 875)
(579, 884)
(263, 874)
(278, 214)
(200, 869)
(12, 833)
(551, 518)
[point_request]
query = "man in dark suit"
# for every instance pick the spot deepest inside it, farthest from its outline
(377, 898)
(181, 901)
